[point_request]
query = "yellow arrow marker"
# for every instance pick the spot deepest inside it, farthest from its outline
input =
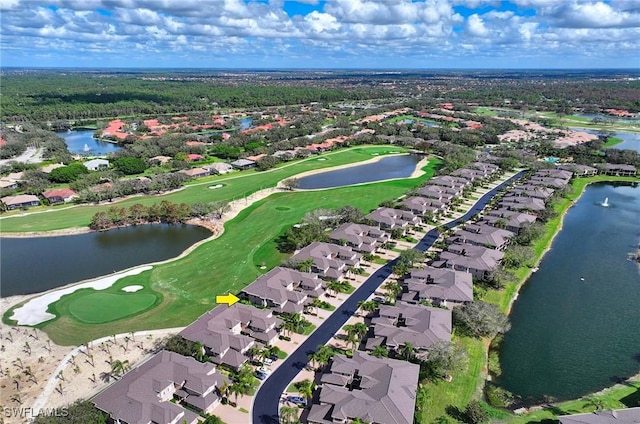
(229, 299)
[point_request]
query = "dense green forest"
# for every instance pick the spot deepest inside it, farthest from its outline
(45, 96)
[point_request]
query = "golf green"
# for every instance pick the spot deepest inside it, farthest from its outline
(97, 308)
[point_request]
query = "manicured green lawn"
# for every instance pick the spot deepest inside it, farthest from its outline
(461, 389)
(189, 285)
(612, 141)
(625, 395)
(236, 186)
(99, 307)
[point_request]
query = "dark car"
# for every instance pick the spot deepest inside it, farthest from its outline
(298, 400)
(261, 376)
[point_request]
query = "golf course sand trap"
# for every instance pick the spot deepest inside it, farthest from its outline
(132, 289)
(35, 310)
(216, 186)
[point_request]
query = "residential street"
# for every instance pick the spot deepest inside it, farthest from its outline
(266, 403)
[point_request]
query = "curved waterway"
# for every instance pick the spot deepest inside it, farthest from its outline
(576, 323)
(33, 265)
(399, 166)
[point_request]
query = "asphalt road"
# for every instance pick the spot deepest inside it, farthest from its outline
(267, 401)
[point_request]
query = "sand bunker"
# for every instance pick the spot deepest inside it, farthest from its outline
(132, 289)
(215, 186)
(35, 310)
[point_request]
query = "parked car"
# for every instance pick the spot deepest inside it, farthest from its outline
(273, 357)
(378, 299)
(261, 376)
(268, 361)
(297, 400)
(263, 370)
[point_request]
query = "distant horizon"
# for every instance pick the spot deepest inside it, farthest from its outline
(321, 34)
(391, 70)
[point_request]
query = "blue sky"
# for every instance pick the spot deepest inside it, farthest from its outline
(321, 33)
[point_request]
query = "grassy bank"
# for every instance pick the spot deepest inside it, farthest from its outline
(466, 385)
(612, 141)
(235, 186)
(188, 286)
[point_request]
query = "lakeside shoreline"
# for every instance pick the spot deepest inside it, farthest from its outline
(572, 200)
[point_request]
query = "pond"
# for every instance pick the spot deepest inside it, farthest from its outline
(607, 118)
(575, 323)
(83, 143)
(33, 265)
(631, 140)
(399, 166)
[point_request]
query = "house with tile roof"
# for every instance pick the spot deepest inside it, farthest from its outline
(20, 201)
(423, 205)
(329, 260)
(361, 238)
(477, 260)
(513, 221)
(522, 203)
(421, 326)
(375, 390)
(389, 218)
(166, 388)
(482, 235)
(284, 290)
(227, 333)
(60, 195)
(440, 193)
(440, 286)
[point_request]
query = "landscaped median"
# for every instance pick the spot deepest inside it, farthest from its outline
(188, 286)
(467, 383)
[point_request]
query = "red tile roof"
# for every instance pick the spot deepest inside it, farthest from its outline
(65, 193)
(194, 157)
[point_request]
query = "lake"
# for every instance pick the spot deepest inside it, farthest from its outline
(575, 325)
(631, 140)
(399, 166)
(77, 140)
(33, 265)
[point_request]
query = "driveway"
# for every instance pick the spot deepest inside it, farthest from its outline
(266, 402)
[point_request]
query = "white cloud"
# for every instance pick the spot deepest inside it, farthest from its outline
(596, 15)
(475, 26)
(347, 31)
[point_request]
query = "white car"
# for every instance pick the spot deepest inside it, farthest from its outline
(268, 361)
(264, 370)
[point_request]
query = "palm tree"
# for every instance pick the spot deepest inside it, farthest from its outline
(380, 352)
(253, 351)
(323, 355)
(198, 352)
(126, 343)
(237, 389)
(407, 351)
(350, 270)
(334, 286)
(16, 398)
(305, 387)
(288, 414)
(224, 390)
(367, 306)
(393, 289)
(315, 303)
(306, 265)
(119, 367)
(30, 376)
